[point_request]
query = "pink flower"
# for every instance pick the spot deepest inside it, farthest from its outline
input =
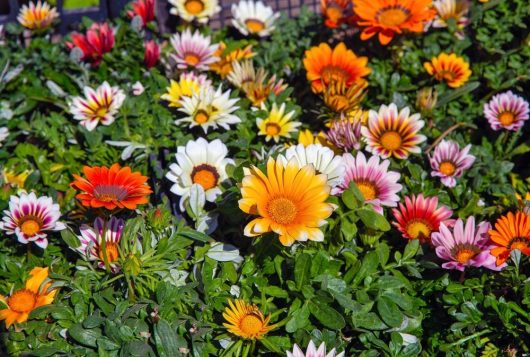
(99, 39)
(345, 134)
(193, 51)
(313, 352)
(449, 162)
(506, 111)
(152, 53)
(145, 9)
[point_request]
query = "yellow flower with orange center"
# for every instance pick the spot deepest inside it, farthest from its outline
(246, 320)
(277, 124)
(188, 84)
(450, 68)
(223, 66)
(37, 17)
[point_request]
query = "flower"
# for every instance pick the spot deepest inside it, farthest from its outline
(312, 351)
(4, 133)
(506, 111)
(449, 162)
(37, 17)
(420, 216)
(246, 320)
(99, 105)
(340, 98)
(188, 85)
(29, 217)
(254, 18)
(345, 134)
(113, 187)
(23, 301)
(145, 9)
(137, 88)
(200, 10)
(243, 73)
(388, 17)
(209, 108)
(340, 64)
(99, 39)
(455, 10)
(464, 247)
(199, 162)
(223, 66)
(151, 54)
(322, 158)
(277, 124)
(378, 185)
(193, 51)
(512, 231)
(452, 69)
(392, 133)
(336, 12)
(13, 179)
(426, 99)
(290, 201)
(306, 137)
(91, 242)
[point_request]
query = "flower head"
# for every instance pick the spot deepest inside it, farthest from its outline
(193, 51)
(449, 162)
(188, 85)
(13, 179)
(113, 187)
(277, 124)
(512, 231)
(312, 351)
(455, 10)
(506, 111)
(200, 10)
(340, 98)
(29, 217)
(38, 16)
(151, 54)
(451, 69)
(336, 12)
(224, 65)
(253, 18)
(345, 134)
(306, 137)
(145, 9)
(99, 39)
(246, 320)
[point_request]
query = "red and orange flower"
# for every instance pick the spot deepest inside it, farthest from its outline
(512, 231)
(336, 12)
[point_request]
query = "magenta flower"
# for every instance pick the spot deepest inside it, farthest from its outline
(449, 162)
(193, 51)
(506, 111)
(344, 134)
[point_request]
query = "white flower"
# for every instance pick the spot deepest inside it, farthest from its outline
(4, 133)
(129, 148)
(200, 10)
(137, 88)
(313, 352)
(193, 51)
(254, 18)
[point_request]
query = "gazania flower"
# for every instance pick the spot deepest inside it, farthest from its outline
(193, 51)
(290, 200)
(392, 133)
(99, 39)
(151, 54)
(98, 106)
(388, 17)
(92, 238)
(199, 162)
(378, 185)
(258, 91)
(306, 138)
(13, 179)
(243, 73)
(113, 187)
(224, 65)
(4, 133)
(209, 108)
(340, 98)
(455, 10)
(345, 134)
(465, 246)
(324, 65)
(451, 69)
(312, 351)
(246, 320)
(145, 9)
(188, 85)
(23, 301)
(29, 217)
(253, 18)
(200, 10)
(506, 111)
(277, 124)
(419, 217)
(336, 12)
(449, 162)
(37, 17)
(426, 99)
(512, 231)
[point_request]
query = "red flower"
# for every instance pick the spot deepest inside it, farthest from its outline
(99, 39)
(152, 53)
(143, 8)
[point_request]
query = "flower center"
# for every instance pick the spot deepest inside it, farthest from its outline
(506, 118)
(254, 26)
(22, 301)
(191, 58)
(391, 140)
(205, 175)
(201, 117)
(112, 252)
(418, 229)
(110, 193)
(251, 324)
(30, 227)
(447, 168)
(272, 129)
(101, 112)
(334, 13)
(339, 102)
(194, 7)
(282, 210)
(447, 75)
(333, 73)
(392, 16)
(519, 243)
(368, 189)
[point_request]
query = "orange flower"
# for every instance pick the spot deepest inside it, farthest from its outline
(511, 232)
(111, 187)
(23, 301)
(388, 17)
(340, 64)
(336, 12)
(452, 69)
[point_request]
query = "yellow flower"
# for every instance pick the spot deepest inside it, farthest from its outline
(14, 180)
(290, 201)
(246, 320)
(340, 98)
(186, 86)
(37, 17)
(277, 124)
(306, 138)
(451, 69)
(223, 67)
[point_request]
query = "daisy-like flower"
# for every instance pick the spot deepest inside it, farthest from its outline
(243, 73)
(449, 162)
(465, 246)
(378, 185)
(345, 134)
(193, 51)
(209, 108)
(15, 180)
(98, 106)
(151, 54)
(392, 133)
(389, 17)
(336, 12)
(322, 158)
(113, 187)
(420, 216)
(512, 231)
(22, 302)
(306, 138)
(188, 85)
(506, 111)
(277, 124)
(340, 64)
(312, 351)
(4, 133)
(199, 162)
(224, 65)
(99, 39)
(258, 91)
(253, 18)
(29, 217)
(144, 9)
(200, 10)
(340, 98)
(246, 320)
(38, 16)
(450, 68)
(100, 243)
(290, 200)
(455, 10)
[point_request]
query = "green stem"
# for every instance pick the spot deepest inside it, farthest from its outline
(126, 126)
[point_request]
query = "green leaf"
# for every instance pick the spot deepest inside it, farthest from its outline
(198, 236)
(299, 319)
(411, 249)
(449, 96)
(368, 266)
(368, 320)
(86, 337)
(373, 219)
(389, 312)
(301, 270)
(69, 238)
(349, 199)
(166, 339)
(328, 316)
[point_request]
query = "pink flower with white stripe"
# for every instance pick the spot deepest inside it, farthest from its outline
(98, 106)
(449, 162)
(193, 51)
(30, 217)
(506, 111)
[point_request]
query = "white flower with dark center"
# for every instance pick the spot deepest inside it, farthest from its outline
(200, 10)
(253, 18)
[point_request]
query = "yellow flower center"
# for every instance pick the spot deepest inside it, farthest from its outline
(391, 140)
(519, 243)
(112, 252)
(282, 210)
(107, 197)
(333, 73)
(101, 112)
(251, 324)
(194, 7)
(22, 301)
(201, 117)
(506, 118)
(463, 255)
(392, 16)
(30, 227)
(254, 26)
(368, 189)
(191, 58)
(205, 175)
(272, 129)
(418, 229)
(447, 168)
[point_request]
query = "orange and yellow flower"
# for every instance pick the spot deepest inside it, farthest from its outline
(450, 68)
(512, 231)
(246, 320)
(223, 66)
(340, 98)
(336, 12)
(38, 16)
